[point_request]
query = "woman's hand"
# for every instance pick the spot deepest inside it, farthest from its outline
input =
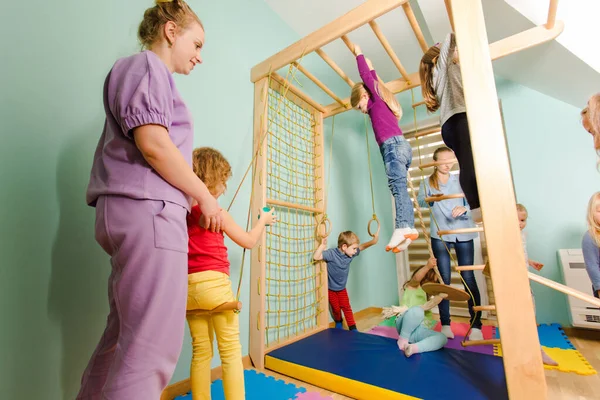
(213, 220)
(458, 211)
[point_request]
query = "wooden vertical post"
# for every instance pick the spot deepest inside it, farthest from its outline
(520, 345)
(551, 14)
(258, 254)
(321, 267)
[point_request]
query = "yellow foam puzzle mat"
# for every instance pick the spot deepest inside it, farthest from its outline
(568, 360)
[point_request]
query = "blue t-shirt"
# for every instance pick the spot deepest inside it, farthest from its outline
(338, 267)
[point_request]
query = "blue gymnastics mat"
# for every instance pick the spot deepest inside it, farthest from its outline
(376, 361)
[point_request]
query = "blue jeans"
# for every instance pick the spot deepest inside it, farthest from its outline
(397, 156)
(465, 252)
(409, 326)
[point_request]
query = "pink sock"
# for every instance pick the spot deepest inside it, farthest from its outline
(410, 350)
(402, 343)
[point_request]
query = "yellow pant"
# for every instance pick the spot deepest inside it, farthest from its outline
(206, 290)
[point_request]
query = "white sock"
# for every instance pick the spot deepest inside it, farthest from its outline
(476, 334)
(476, 215)
(447, 330)
(399, 236)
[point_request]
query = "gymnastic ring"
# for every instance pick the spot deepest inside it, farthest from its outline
(326, 224)
(369, 226)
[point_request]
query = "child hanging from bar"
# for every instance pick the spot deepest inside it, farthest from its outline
(414, 321)
(441, 85)
(522, 214)
(209, 285)
(338, 267)
(372, 97)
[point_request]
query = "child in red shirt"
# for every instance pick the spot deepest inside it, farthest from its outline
(209, 285)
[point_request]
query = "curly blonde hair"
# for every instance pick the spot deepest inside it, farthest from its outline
(211, 167)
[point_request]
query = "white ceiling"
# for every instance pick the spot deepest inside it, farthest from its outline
(549, 68)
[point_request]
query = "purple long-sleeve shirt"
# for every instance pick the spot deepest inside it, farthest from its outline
(385, 123)
(139, 90)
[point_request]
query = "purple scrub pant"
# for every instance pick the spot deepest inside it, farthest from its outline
(147, 293)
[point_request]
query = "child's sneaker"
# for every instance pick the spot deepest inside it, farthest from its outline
(339, 325)
(447, 331)
(400, 236)
(476, 334)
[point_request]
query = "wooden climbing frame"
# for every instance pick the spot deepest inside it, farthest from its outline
(520, 345)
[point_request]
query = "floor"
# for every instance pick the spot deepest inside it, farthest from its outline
(561, 385)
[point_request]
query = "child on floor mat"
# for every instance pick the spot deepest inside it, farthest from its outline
(441, 86)
(338, 267)
(372, 97)
(522, 214)
(209, 285)
(414, 321)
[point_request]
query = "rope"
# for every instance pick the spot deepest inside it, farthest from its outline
(418, 208)
(371, 181)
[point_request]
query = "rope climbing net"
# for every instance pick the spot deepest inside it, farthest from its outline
(292, 280)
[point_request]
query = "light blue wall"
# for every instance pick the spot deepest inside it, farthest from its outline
(53, 289)
(554, 170)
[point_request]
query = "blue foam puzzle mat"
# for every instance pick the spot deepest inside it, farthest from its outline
(376, 360)
(551, 336)
(258, 387)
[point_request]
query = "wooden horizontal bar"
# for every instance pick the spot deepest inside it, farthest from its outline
(420, 103)
(343, 25)
(524, 40)
(285, 83)
(510, 45)
(468, 343)
(335, 67)
(320, 84)
(436, 163)
(228, 306)
(414, 24)
(396, 86)
(470, 268)
(388, 48)
(295, 206)
(350, 46)
(564, 289)
(484, 308)
(428, 131)
(551, 14)
(459, 231)
(433, 199)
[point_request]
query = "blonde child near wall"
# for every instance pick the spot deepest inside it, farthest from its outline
(209, 285)
(522, 214)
